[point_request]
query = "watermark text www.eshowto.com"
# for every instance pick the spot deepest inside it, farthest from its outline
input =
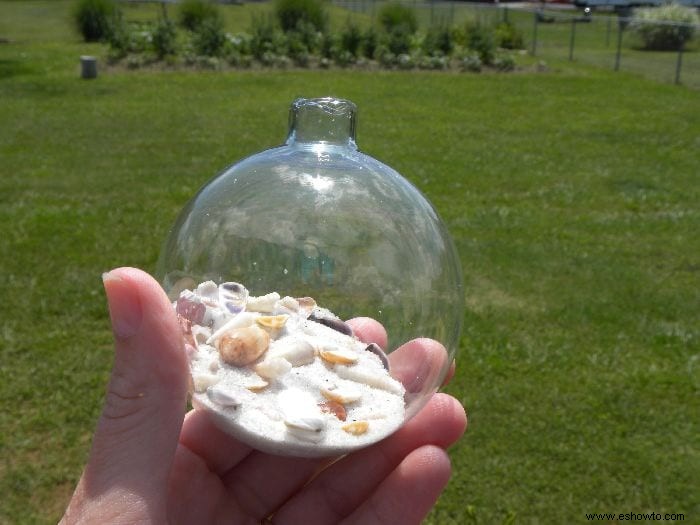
(635, 516)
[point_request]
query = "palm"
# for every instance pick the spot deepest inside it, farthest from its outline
(139, 471)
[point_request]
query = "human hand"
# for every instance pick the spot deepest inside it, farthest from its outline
(152, 463)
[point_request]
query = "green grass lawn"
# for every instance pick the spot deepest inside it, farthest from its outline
(572, 197)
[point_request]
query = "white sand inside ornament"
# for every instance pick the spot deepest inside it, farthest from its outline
(273, 373)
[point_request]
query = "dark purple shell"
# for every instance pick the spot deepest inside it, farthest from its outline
(376, 350)
(331, 322)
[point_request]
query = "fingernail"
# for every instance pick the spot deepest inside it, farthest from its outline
(124, 305)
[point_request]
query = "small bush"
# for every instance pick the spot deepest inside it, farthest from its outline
(193, 13)
(209, 38)
(370, 41)
(308, 35)
(438, 41)
(481, 40)
(351, 39)
(508, 36)
(95, 18)
(471, 63)
(290, 13)
(265, 37)
(164, 38)
(399, 41)
(394, 16)
(665, 28)
(504, 62)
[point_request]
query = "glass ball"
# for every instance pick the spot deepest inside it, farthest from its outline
(317, 218)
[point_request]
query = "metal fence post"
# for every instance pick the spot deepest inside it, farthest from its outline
(620, 29)
(572, 39)
(534, 34)
(679, 63)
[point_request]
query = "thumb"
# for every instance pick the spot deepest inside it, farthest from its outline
(138, 430)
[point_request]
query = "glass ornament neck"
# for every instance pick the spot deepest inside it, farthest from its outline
(328, 121)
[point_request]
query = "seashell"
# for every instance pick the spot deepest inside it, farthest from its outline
(356, 428)
(216, 317)
(233, 296)
(306, 306)
(273, 367)
(301, 414)
(208, 293)
(376, 350)
(242, 346)
(274, 322)
(189, 307)
(297, 351)
(341, 395)
(372, 379)
(238, 321)
(186, 327)
(333, 407)
(326, 318)
(255, 383)
(200, 334)
(263, 304)
(227, 397)
(204, 381)
(338, 355)
(287, 304)
(309, 422)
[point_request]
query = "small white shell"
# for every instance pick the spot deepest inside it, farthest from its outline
(306, 306)
(374, 380)
(273, 367)
(343, 395)
(308, 422)
(239, 321)
(264, 303)
(227, 397)
(287, 304)
(255, 383)
(297, 351)
(204, 381)
(209, 292)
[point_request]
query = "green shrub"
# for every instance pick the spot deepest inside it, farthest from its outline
(193, 13)
(265, 36)
(508, 36)
(164, 38)
(471, 62)
(504, 62)
(95, 18)
(438, 41)
(370, 41)
(351, 38)
(290, 13)
(209, 37)
(399, 40)
(395, 15)
(481, 40)
(659, 28)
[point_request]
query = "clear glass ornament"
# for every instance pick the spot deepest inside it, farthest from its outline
(317, 218)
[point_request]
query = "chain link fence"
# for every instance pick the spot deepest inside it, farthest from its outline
(562, 32)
